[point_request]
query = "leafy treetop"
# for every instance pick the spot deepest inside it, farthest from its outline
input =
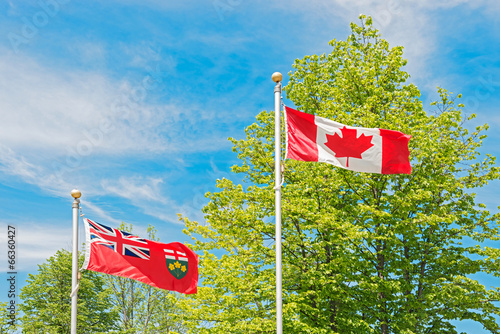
(362, 253)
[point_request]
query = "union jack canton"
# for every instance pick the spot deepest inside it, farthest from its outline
(119, 241)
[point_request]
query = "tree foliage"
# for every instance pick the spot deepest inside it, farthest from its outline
(8, 322)
(46, 302)
(362, 253)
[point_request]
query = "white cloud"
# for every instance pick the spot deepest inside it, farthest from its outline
(35, 242)
(135, 188)
(412, 24)
(56, 125)
(11, 164)
(145, 193)
(97, 211)
(82, 113)
(50, 110)
(89, 53)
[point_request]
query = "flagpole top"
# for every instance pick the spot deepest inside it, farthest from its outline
(76, 193)
(277, 77)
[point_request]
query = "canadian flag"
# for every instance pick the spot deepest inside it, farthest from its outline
(313, 138)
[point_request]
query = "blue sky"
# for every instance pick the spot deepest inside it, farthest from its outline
(133, 101)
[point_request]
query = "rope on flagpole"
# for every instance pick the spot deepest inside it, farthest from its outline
(282, 158)
(80, 271)
(75, 290)
(282, 178)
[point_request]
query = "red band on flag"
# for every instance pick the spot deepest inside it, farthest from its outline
(301, 138)
(395, 153)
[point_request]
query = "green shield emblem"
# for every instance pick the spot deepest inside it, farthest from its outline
(178, 268)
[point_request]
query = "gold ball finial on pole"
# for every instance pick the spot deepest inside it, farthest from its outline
(76, 193)
(277, 77)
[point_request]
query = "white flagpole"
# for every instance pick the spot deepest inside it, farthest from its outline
(277, 77)
(74, 274)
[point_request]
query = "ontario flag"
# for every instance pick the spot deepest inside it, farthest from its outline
(170, 266)
(313, 138)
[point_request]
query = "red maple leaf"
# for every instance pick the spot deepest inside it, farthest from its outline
(348, 146)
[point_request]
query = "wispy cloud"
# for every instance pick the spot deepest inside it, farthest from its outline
(59, 127)
(14, 165)
(53, 110)
(136, 188)
(35, 242)
(151, 195)
(412, 24)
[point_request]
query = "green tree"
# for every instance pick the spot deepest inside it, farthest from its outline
(46, 302)
(362, 253)
(8, 323)
(142, 308)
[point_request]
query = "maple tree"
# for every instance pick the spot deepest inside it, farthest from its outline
(349, 145)
(362, 253)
